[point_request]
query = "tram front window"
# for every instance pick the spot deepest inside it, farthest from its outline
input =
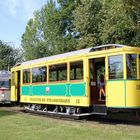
(4, 84)
(131, 64)
(116, 67)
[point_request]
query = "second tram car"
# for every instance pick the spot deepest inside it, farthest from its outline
(69, 83)
(5, 96)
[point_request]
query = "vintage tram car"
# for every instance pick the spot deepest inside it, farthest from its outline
(68, 83)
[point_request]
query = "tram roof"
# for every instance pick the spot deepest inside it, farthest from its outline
(72, 53)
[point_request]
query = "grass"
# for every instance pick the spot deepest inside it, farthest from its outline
(19, 126)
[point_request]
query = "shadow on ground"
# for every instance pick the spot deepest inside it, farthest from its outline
(4, 112)
(117, 118)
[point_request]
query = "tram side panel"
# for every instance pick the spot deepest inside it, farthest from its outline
(116, 93)
(4, 95)
(133, 93)
(73, 94)
(123, 94)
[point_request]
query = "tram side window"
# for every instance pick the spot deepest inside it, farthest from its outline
(58, 72)
(39, 74)
(131, 64)
(26, 76)
(116, 67)
(76, 70)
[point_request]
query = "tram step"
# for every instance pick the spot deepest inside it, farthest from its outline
(100, 109)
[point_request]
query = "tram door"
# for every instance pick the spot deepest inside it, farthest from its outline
(15, 87)
(97, 69)
(18, 86)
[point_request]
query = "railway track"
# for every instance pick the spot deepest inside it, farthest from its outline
(116, 118)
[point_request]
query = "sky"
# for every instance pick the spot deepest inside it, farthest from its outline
(14, 15)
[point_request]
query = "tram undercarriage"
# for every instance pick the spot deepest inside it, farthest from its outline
(66, 111)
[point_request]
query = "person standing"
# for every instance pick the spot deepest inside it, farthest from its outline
(101, 87)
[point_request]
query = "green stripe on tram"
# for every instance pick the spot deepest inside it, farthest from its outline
(75, 89)
(117, 80)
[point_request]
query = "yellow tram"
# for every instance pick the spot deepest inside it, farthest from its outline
(69, 83)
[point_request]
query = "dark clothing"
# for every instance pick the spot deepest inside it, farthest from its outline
(102, 85)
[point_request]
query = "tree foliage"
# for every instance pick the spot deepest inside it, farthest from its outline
(50, 32)
(107, 21)
(9, 56)
(74, 24)
(132, 8)
(87, 20)
(119, 26)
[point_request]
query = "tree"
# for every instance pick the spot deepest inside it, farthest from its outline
(50, 31)
(87, 19)
(30, 41)
(107, 21)
(66, 22)
(119, 25)
(132, 8)
(76, 24)
(9, 56)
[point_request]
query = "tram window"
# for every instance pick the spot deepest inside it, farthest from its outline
(58, 72)
(116, 67)
(13, 79)
(4, 84)
(131, 64)
(26, 76)
(76, 70)
(39, 74)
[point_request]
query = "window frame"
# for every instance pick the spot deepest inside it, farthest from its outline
(136, 66)
(58, 81)
(76, 80)
(32, 74)
(29, 76)
(123, 72)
